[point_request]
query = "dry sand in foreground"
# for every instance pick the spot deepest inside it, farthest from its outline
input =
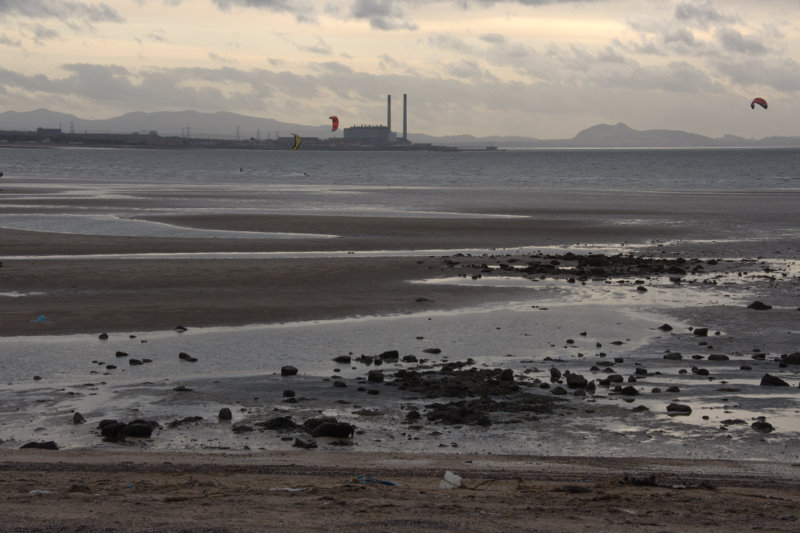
(344, 491)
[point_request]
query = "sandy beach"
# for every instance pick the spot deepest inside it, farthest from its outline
(594, 460)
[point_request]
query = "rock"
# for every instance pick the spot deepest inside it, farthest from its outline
(559, 391)
(183, 356)
(700, 371)
(103, 336)
(555, 374)
(241, 428)
(288, 370)
(48, 445)
(342, 359)
(772, 381)
(432, 351)
(279, 423)
(112, 431)
(762, 426)
(673, 356)
(700, 332)
(77, 418)
(576, 381)
(389, 356)
(507, 375)
(139, 429)
(677, 409)
(121, 354)
(630, 390)
(412, 417)
(305, 442)
(718, 357)
(665, 327)
(673, 388)
(288, 393)
(759, 306)
(135, 362)
(180, 329)
(225, 414)
(182, 388)
(410, 359)
(375, 376)
(339, 430)
(791, 359)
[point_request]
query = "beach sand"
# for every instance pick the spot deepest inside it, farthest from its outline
(127, 487)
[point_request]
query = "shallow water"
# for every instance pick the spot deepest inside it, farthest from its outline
(720, 200)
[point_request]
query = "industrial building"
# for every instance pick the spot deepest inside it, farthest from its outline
(380, 135)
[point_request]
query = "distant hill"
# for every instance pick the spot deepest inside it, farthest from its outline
(224, 125)
(220, 125)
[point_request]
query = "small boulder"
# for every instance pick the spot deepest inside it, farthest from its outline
(389, 356)
(759, 306)
(375, 376)
(305, 442)
(339, 430)
(225, 414)
(791, 359)
(678, 409)
(576, 381)
(288, 370)
(77, 418)
(772, 381)
(762, 426)
(48, 445)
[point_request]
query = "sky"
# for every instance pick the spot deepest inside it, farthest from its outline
(536, 68)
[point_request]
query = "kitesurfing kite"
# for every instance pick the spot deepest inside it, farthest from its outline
(296, 141)
(759, 101)
(334, 122)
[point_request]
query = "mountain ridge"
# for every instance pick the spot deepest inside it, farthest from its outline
(228, 125)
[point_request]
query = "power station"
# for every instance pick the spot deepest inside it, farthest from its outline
(380, 135)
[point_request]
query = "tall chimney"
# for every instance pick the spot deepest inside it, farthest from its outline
(405, 116)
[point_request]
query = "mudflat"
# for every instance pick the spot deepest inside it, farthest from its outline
(93, 284)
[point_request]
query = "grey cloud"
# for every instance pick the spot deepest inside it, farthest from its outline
(60, 10)
(301, 11)
(221, 59)
(493, 38)
(734, 41)
(702, 14)
(7, 41)
(43, 33)
(381, 14)
(321, 48)
(780, 74)
(468, 70)
(445, 41)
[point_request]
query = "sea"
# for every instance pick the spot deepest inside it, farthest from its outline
(117, 186)
(745, 197)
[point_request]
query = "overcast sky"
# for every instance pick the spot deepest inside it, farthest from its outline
(538, 68)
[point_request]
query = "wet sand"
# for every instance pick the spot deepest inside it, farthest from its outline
(127, 487)
(147, 292)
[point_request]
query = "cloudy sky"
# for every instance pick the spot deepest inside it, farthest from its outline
(539, 68)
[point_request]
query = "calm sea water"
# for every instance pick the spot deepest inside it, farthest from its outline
(609, 169)
(747, 193)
